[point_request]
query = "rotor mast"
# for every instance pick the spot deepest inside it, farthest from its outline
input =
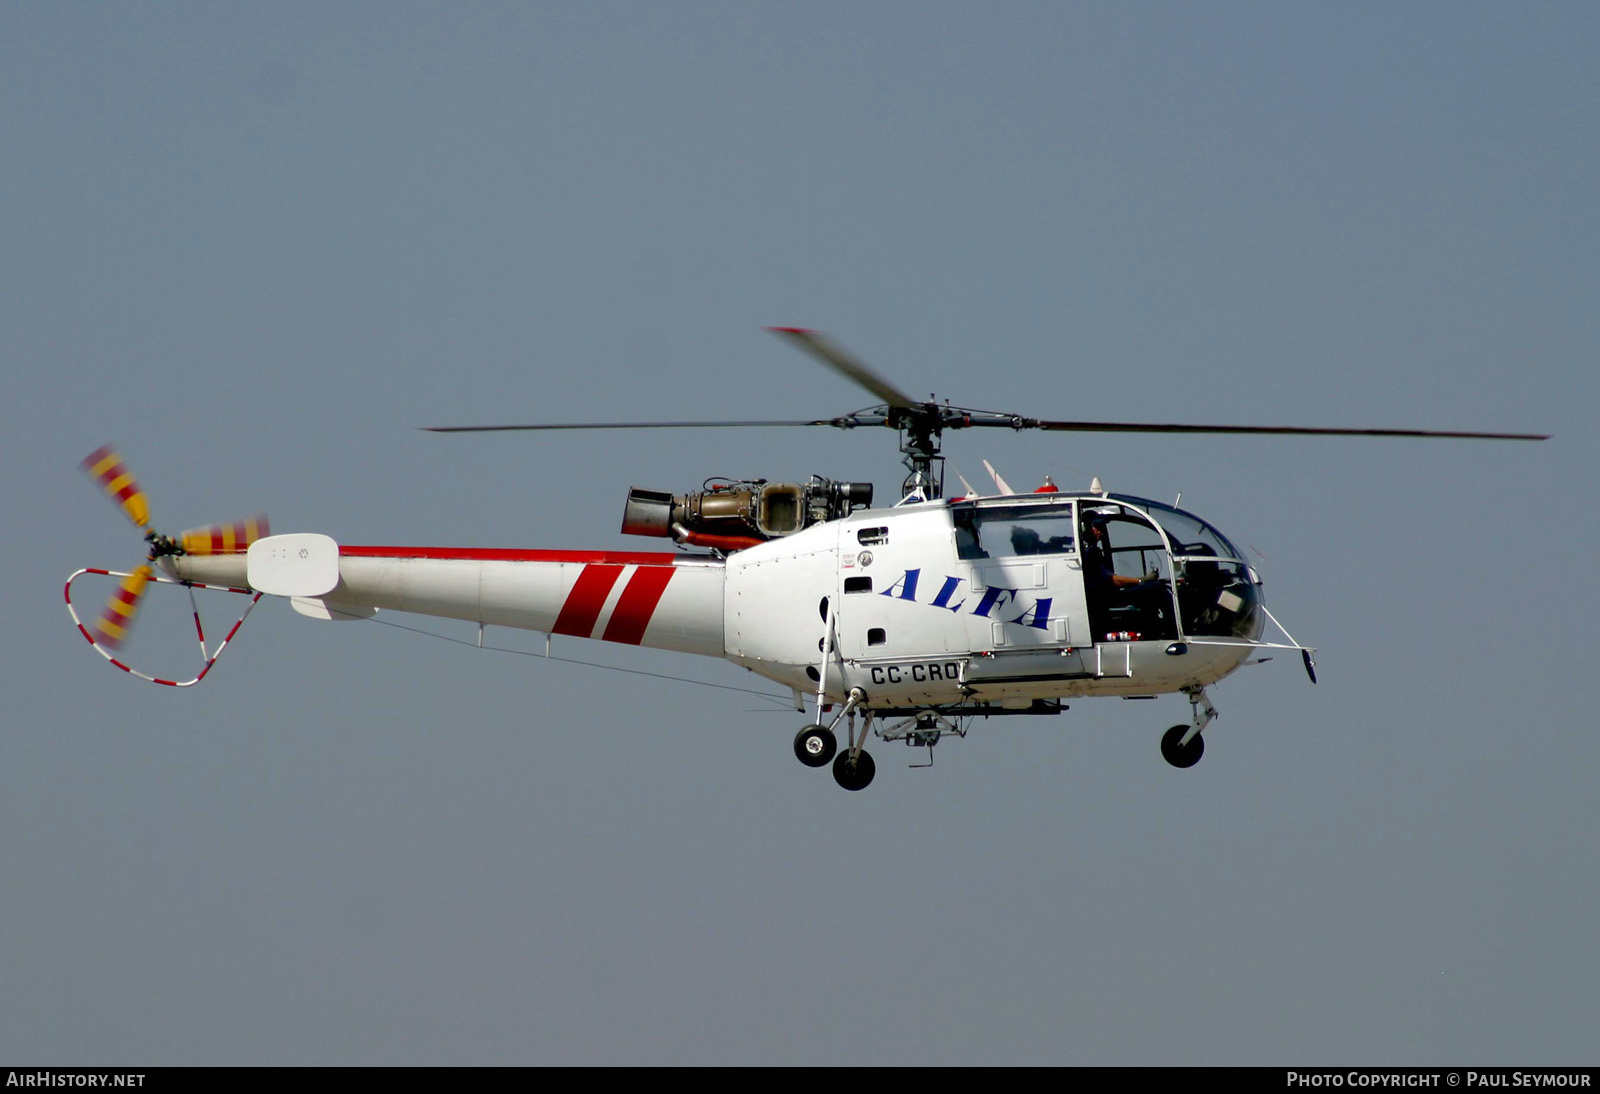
(919, 441)
(921, 429)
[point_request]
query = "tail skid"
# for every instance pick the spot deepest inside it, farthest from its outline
(208, 658)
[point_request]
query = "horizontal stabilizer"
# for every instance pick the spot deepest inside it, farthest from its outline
(313, 607)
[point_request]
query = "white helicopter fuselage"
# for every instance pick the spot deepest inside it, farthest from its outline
(915, 624)
(994, 603)
(903, 623)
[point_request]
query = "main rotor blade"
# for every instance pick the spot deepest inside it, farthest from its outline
(1289, 430)
(615, 425)
(837, 358)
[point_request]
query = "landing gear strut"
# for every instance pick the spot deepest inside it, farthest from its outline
(1182, 746)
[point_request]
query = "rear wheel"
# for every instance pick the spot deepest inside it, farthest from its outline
(854, 774)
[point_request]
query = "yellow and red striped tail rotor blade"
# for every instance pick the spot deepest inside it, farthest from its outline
(225, 539)
(112, 628)
(105, 467)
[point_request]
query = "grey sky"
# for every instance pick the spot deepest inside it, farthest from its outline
(255, 246)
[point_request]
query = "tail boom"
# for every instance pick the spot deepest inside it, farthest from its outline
(658, 599)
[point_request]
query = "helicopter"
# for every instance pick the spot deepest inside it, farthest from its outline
(903, 623)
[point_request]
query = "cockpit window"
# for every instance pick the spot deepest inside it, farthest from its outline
(1190, 536)
(1007, 531)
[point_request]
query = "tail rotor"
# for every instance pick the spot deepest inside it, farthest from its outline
(105, 466)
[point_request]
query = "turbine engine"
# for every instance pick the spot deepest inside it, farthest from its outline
(729, 516)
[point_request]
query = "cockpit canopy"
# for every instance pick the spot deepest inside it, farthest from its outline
(1189, 536)
(1217, 592)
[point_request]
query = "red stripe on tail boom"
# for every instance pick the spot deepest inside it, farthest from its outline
(637, 604)
(588, 596)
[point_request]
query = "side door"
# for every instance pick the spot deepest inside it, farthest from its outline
(1129, 578)
(1023, 576)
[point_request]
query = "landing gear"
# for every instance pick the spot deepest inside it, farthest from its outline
(1178, 754)
(854, 774)
(1182, 746)
(814, 746)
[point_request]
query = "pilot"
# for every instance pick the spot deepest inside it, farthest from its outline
(1098, 570)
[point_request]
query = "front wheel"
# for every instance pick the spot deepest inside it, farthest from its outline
(814, 746)
(1181, 755)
